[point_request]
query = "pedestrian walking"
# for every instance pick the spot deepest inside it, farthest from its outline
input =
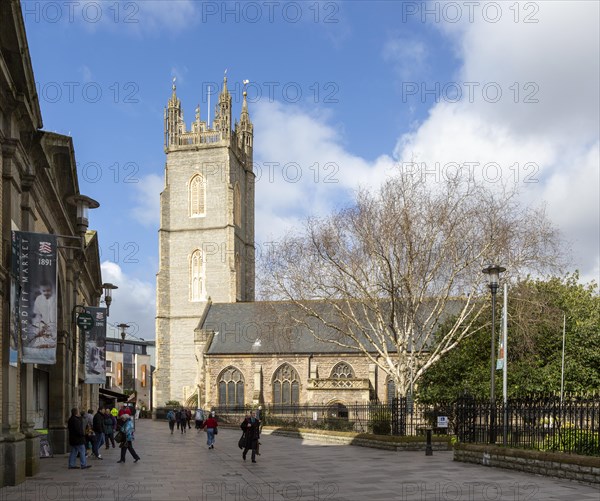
(110, 423)
(250, 427)
(98, 427)
(126, 429)
(188, 414)
(183, 421)
(76, 431)
(211, 427)
(171, 417)
(199, 418)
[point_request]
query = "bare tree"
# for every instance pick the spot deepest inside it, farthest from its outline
(383, 276)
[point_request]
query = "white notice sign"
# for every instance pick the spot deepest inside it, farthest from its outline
(442, 422)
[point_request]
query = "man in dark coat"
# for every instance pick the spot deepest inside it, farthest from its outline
(98, 427)
(251, 428)
(76, 440)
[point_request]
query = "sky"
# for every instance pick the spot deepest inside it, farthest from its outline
(341, 95)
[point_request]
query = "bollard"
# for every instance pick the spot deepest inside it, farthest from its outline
(428, 448)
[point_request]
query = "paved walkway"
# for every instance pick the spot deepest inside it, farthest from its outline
(180, 467)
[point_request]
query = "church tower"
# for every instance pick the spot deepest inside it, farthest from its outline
(206, 235)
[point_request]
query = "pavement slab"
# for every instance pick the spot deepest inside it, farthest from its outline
(181, 467)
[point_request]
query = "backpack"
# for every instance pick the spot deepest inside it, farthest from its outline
(171, 416)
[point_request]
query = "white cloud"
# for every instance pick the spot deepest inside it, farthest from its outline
(134, 302)
(554, 140)
(147, 200)
(302, 168)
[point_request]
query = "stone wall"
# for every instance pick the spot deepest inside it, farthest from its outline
(561, 465)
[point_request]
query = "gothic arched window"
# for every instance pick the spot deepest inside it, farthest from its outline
(237, 206)
(342, 371)
(390, 388)
(286, 386)
(197, 286)
(197, 196)
(231, 387)
(238, 276)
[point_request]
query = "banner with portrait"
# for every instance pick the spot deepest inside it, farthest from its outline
(95, 347)
(33, 266)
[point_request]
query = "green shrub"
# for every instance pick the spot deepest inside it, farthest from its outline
(568, 439)
(381, 421)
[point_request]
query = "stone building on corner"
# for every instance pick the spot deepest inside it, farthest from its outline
(39, 178)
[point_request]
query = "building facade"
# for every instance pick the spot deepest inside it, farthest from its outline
(39, 178)
(206, 235)
(129, 370)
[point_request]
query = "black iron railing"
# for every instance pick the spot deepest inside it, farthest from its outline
(541, 422)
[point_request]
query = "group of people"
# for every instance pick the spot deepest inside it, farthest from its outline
(250, 428)
(183, 417)
(91, 431)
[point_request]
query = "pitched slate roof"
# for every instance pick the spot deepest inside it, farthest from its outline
(277, 327)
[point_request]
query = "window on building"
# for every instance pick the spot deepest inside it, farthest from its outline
(197, 196)
(237, 206)
(390, 389)
(109, 367)
(108, 384)
(286, 386)
(238, 276)
(197, 292)
(231, 387)
(342, 371)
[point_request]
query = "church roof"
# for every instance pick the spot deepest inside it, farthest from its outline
(272, 327)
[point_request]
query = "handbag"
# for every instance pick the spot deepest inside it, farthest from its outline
(120, 436)
(242, 441)
(216, 430)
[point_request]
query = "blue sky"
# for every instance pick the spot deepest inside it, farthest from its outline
(341, 93)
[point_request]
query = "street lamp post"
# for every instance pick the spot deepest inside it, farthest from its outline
(493, 272)
(108, 288)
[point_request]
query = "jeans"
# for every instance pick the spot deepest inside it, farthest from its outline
(77, 449)
(210, 436)
(171, 426)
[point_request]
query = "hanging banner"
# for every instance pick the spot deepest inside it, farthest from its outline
(95, 347)
(34, 268)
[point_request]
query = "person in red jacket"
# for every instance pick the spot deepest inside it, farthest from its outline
(210, 425)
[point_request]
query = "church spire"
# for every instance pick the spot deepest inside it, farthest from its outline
(245, 129)
(224, 111)
(173, 118)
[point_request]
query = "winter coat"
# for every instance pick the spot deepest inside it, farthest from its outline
(109, 424)
(76, 431)
(251, 432)
(127, 429)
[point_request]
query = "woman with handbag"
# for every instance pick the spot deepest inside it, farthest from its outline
(210, 425)
(125, 438)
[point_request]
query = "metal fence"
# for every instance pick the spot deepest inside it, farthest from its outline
(537, 422)
(541, 422)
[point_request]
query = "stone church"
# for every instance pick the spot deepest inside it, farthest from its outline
(214, 342)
